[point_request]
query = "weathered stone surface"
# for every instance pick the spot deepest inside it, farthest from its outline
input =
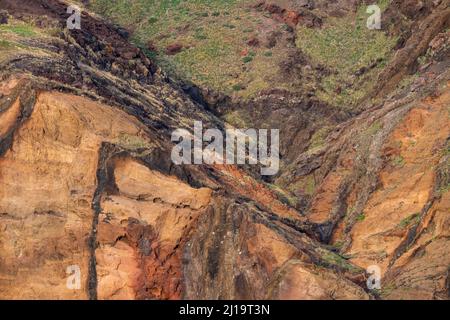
(86, 178)
(300, 281)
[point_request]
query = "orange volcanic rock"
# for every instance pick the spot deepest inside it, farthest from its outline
(406, 183)
(142, 225)
(48, 179)
(78, 191)
(300, 281)
(89, 194)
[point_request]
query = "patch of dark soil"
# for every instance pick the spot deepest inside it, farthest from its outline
(173, 49)
(4, 17)
(253, 42)
(292, 66)
(291, 14)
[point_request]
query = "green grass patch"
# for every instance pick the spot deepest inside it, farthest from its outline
(398, 161)
(285, 196)
(374, 128)
(23, 30)
(339, 244)
(236, 119)
(188, 63)
(200, 36)
(5, 44)
(307, 185)
(387, 289)
(230, 26)
(332, 258)
(132, 142)
(213, 33)
(318, 139)
(237, 87)
(444, 189)
(247, 59)
(310, 185)
(412, 219)
(152, 20)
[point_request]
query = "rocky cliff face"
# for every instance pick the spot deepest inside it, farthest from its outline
(86, 177)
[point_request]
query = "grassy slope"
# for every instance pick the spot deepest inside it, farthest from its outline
(345, 46)
(214, 34)
(13, 37)
(216, 55)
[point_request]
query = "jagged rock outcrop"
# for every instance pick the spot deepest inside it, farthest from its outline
(92, 187)
(86, 179)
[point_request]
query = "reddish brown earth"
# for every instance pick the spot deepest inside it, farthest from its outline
(86, 179)
(147, 221)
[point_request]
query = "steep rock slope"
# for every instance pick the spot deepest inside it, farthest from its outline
(76, 191)
(86, 179)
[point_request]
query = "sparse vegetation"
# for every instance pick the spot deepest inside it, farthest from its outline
(354, 53)
(332, 258)
(444, 171)
(339, 244)
(386, 289)
(444, 189)
(13, 34)
(202, 26)
(310, 185)
(247, 59)
(406, 82)
(214, 35)
(398, 161)
(306, 185)
(5, 44)
(284, 195)
(412, 219)
(236, 119)
(21, 29)
(374, 128)
(318, 139)
(132, 142)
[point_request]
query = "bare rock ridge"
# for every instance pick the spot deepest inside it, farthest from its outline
(86, 177)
